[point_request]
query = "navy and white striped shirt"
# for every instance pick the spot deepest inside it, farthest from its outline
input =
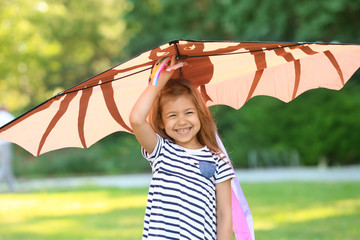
(181, 202)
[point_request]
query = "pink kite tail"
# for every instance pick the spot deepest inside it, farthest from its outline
(242, 218)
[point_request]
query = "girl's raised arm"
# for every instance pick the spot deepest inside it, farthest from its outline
(144, 133)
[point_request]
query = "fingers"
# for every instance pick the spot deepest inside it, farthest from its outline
(173, 60)
(160, 71)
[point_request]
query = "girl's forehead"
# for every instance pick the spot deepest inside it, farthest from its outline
(183, 101)
(172, 98)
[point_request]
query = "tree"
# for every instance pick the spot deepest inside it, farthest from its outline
(49, 46)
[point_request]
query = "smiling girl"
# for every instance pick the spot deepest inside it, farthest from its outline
(190, 192)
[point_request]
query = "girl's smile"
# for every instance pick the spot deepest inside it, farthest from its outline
(181, 122)
(183, 131)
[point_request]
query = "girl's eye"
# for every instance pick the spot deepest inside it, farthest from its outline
(190, 112)
(172, 115)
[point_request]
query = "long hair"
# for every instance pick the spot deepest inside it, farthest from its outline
(175, 88)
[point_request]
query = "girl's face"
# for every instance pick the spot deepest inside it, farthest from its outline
(181, 122)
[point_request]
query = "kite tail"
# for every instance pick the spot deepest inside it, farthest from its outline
(241, 214)
(161, 65)
(158, 67)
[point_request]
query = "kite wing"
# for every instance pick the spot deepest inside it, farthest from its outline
(227, 73)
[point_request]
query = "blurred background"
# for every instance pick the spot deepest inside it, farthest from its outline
(47, 46)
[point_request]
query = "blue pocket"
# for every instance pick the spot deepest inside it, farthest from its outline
(207, 169)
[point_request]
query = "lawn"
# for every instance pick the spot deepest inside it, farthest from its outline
(281, 211)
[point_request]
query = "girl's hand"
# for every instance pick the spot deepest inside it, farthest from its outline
(166, 75)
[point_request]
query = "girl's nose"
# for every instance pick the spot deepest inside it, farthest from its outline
(181, 120)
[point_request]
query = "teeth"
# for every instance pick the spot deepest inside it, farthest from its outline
(183, 130)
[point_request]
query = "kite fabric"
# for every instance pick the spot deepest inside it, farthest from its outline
(227, 73)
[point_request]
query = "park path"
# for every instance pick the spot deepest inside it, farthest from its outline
(298, 174)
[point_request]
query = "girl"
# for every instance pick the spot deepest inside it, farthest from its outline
(190, 191)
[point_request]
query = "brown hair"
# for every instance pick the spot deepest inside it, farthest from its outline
(178, 87)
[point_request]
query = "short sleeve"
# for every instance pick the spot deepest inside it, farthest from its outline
(224, 170)
(151, 157)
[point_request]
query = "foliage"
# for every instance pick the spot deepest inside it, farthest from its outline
(324, 211)
(48, 46)
(245, 20)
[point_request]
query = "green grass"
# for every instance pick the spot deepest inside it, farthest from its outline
(281, 211)
(311, 211)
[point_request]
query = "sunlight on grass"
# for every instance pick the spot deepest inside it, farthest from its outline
(46, 228)
(338, 208)
(298, 211)
(56, 227)
(19, 207)
(264, 225)
(99, 213)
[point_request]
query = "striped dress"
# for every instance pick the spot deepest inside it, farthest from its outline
(181, 202)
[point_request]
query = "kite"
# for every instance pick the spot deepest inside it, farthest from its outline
(225, 72)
